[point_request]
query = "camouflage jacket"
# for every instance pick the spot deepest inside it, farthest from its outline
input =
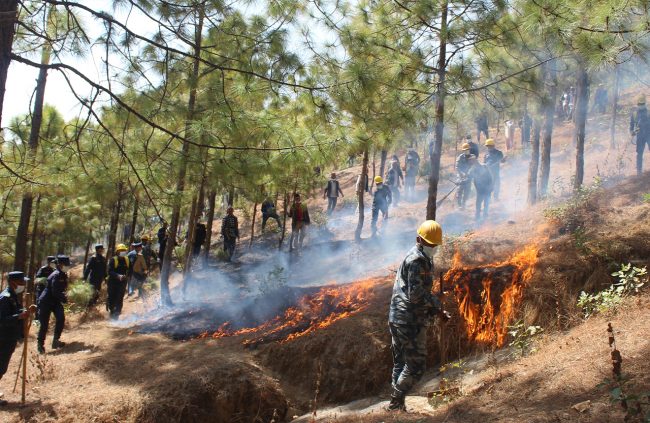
(412, 302)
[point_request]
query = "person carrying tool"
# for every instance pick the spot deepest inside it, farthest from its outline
(12, 316)
(118, 274)
(380, 202)
(51, 302)
(493, 159)
(95, 273)
(640, 128)
(412, 306)
(462, 171)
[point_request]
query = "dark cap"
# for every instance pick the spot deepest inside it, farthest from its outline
(50, 259)
(99, 247)
(16, 276)
(63, 260)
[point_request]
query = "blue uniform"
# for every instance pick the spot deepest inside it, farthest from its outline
(11, 327)
(51, 301)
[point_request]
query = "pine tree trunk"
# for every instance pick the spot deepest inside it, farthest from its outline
(534, 163)
(115, 218)
(582, 95)
(231, 196)
(284, 219)
(191, 232)
(208, 238)
(360, 192)
(612, 129)
(382, 162)
(33, 261)
(250, 244)
(87, 253)
(20, 255)
(134, 220)
(8, 18)
(549, 121)
(165, 272)
(374, 170)
(434, 176)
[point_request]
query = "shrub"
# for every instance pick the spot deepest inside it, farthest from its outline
(79, 295)
(630, 281)
(523, 337)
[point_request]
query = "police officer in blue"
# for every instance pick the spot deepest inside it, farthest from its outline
(51, 301)
(12, 315)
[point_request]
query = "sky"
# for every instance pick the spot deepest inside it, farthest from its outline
(21, 79)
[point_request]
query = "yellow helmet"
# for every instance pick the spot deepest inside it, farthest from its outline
(641, 100)
(431, 232)
(489, 142)
(379, 179)
(144, 237)
(121, 247)
(465, 147)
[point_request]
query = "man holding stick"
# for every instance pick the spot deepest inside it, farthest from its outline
(12, 316)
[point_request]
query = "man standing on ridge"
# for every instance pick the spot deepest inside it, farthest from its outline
(412, 306)
(640, 127)
(332, 191)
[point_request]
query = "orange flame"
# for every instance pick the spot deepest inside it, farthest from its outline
(487, 320)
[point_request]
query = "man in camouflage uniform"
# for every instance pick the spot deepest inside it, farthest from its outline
(411, 308)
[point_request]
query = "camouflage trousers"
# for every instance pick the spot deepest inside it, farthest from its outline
(409, 345)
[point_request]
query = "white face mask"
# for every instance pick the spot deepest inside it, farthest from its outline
(53, 266)
(122, 253)
(428, 251)
(20, 289)
(64, 268)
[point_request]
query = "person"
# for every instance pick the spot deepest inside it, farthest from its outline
(462, 171)
(147, 251)
(482, 178)
(200, 234)
(600, 99)
(380, 202)
(138, 274)
(640, 127)
(42, 274)
(332, 191)
(95, 273)
(412, 306)
(300, 220)
(393, 178)
(162, 241)
(412, 167)
(482, 126)
(473, 147)
(493, 159)
(510, 135)
(526, 123)
(12, 316)
(269, 212)
(118, 273)
(51, 302)
(230, 232)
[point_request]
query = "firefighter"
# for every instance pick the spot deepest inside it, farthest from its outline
(51, 301)
(12, 315)
(493, 159)
(95, 272)
(118, 274)
(462, 170)
(230, 232)
(412, 306)
(394, 177)
(332, 191)
(483, 183)
(299, 222)
(412, 164)
(147, 251)
(200, 234)
(640, 127)
(41, 276)
(162, 242)
(138, 273)
(380, 202)
(269, 212)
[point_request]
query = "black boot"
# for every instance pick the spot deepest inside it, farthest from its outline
(41, 347)
(56, 344)
(396, 401)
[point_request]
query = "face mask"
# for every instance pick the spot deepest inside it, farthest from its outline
(122, 253)
(64, 268)
(428, 251)
(53, 266)
(20, 289)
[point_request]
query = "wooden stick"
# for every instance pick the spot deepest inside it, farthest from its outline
(27, 324)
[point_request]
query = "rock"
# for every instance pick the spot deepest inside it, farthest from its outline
(581, 407)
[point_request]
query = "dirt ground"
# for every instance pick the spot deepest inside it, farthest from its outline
(110, 373)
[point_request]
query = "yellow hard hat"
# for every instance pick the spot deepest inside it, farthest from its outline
(379, 179)
(489, 142)
(144, 237)
(121, 247)
(431, 232)
(641, 100)
(465, 147)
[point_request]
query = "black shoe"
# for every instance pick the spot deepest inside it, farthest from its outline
(41, 348)
(396, 404)
(56, 344)
(3, 403)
